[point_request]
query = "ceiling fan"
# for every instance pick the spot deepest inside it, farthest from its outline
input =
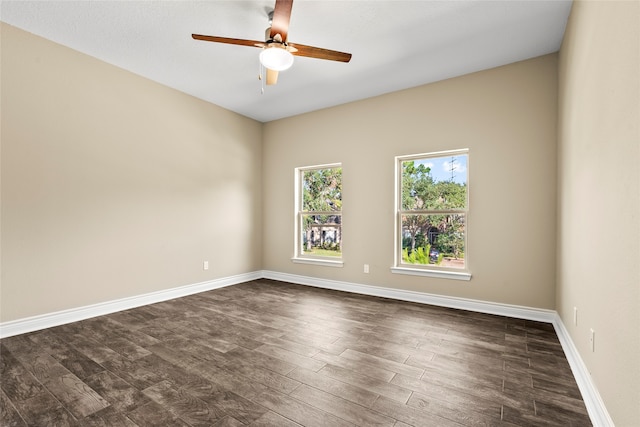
(277, 53)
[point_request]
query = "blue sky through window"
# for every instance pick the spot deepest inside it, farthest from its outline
(447, 168)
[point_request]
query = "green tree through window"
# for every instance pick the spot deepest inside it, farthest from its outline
(320, 211)
(433, 209)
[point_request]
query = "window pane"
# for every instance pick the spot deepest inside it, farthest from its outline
(433, 240)
(321, 235)
(435, 183)
(322, 190)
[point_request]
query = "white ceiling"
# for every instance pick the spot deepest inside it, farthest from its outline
(395, 44)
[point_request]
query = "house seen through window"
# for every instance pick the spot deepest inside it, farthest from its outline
(319, 212)
(432, 209)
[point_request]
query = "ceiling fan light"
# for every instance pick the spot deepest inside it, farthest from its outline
(276, 59)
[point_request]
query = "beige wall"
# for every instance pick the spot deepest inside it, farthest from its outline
(505, 116)
(113, 185)
(599, 197)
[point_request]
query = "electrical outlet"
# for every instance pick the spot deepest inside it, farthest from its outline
(205, 265)
(366, 268)
(592, 340)
(575, 316)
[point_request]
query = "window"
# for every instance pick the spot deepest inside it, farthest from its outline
(319, 215)
(432, 209)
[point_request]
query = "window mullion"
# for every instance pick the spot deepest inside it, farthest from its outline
(433, 212)
(321, 212)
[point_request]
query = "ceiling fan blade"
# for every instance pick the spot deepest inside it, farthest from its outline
(272, 77)
(227, 40)
(319, 53)
(281, 17)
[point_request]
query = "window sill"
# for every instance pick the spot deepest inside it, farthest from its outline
(316, 261)
(441, 274)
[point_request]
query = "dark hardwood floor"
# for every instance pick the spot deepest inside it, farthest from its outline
(266, 353)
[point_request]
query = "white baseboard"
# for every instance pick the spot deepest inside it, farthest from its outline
(597, 411)
(49, 320)
(520, 312)
(592, 400)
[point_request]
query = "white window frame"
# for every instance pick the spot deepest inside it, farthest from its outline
(427, 270)
(299, 257)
